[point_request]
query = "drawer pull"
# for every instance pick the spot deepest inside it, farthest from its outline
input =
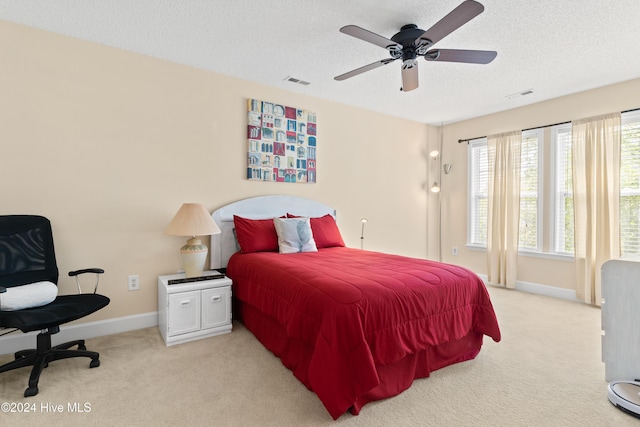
(185, 303)
(216, 298)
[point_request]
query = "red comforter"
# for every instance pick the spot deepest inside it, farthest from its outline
(350, 313)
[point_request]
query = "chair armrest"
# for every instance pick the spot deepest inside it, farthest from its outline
(86, 270)
(96, 271)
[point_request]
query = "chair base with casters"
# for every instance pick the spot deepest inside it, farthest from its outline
(40, 357)
(35, 262)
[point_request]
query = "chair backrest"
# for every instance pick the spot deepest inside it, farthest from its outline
(26, 250)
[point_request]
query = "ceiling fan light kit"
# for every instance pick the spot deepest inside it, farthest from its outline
(411, 42)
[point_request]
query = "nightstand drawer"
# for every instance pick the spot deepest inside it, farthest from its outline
(184, 312)
(216, 307)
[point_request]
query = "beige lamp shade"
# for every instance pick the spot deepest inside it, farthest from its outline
(192, 219)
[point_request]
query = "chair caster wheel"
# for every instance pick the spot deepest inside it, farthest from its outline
(94, 363)
(31, 391)
(22, 353)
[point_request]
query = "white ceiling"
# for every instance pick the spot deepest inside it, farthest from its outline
(553, 47)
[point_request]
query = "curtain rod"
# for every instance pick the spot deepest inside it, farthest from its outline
(540, 127)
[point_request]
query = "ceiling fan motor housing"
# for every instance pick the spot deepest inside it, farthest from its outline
(407, 37)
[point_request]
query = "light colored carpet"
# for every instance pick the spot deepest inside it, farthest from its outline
(545, 372)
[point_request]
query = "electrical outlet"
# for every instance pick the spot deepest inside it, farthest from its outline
(454, 250)
(134, 282)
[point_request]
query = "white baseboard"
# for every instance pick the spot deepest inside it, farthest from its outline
(18, 341)
(536, 288)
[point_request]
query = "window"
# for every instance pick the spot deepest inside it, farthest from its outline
(478, 190)
(630, 184)
(530, 190)
(562, 190)
(563, 240)
(559, 233)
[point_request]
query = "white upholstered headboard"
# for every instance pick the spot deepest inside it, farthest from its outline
(224, 245)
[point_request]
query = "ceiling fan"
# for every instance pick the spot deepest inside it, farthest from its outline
(412, 42)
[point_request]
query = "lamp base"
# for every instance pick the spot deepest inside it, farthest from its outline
(194, 256)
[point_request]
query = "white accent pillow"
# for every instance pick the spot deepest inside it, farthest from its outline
(28, 296)
(294, 235)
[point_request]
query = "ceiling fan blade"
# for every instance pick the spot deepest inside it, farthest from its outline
(368, 36)
(460, 55)
(459, 16)
(363, 69)
(409, 76)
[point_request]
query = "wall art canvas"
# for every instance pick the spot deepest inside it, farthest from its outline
(281, 143)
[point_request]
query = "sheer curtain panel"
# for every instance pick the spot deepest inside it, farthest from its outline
(503, 218)
(596, 192)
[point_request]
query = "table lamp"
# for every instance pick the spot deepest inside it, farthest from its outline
(192, 219)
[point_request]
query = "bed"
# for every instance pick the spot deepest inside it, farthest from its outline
(353, 326)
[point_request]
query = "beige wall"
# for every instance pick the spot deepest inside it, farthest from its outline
(108, 144)
(552, 272)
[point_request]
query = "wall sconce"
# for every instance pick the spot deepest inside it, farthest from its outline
(435, 188)
(363, 221)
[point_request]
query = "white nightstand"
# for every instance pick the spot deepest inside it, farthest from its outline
(193, 310)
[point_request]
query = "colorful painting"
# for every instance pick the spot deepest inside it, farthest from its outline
(281, 143)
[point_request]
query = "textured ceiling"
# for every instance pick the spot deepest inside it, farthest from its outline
(553, 47)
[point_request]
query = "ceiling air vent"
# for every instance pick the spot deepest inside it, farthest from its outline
(294, 80)
(519, 94)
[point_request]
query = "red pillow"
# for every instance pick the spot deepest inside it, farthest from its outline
(256, 235)
(325, 231)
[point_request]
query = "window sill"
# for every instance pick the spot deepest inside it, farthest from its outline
(547, 255)
(532, 254)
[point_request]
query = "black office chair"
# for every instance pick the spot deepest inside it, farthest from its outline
(27, 256)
